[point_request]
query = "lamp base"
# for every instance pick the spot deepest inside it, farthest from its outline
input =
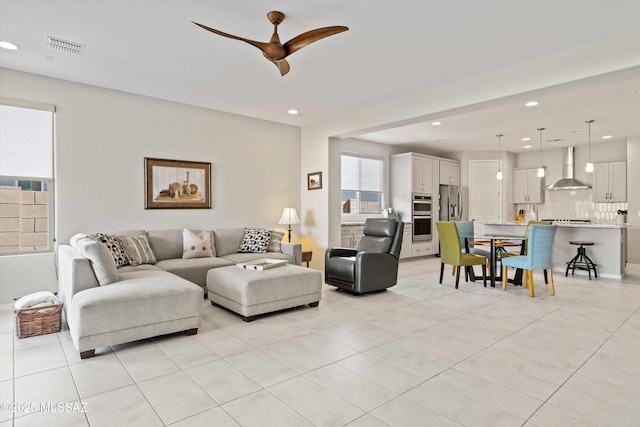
(289, 230)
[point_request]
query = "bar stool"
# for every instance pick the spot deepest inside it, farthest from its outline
(581, 261)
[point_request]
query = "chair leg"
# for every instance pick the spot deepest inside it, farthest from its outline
(488, 266)
(457, 276)
(453, 270)
(484, 275)
(525, 279)
(531, 287)
(546, 277)
(441, 271)
(504, 277)
(552, 288)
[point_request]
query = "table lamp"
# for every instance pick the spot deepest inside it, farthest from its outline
(289, 216)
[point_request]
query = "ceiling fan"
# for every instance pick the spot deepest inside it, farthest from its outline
(274, 50)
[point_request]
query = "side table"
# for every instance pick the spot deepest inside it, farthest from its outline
(306, 257)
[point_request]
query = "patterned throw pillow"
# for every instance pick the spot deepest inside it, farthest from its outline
(116, 248)
(138, 250)
(274, 241)
(196, 245)
(255, 240)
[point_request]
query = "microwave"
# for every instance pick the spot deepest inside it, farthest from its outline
(422, 205)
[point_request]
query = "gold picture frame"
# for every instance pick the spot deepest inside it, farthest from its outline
(314, 181)
(177, 184)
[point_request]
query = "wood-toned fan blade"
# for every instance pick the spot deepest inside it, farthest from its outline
(309, 37)
(260, 45)
(282, 65)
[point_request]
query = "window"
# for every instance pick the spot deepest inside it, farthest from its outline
(361, 186)
(26, 177)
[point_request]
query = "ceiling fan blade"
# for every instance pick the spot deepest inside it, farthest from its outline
(309, 37)
(282, 65)
(260, 45)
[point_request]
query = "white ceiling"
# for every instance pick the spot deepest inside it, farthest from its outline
(392, 50)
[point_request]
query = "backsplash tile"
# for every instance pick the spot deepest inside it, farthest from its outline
(576, 204)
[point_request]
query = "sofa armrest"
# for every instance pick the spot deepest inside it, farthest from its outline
(294, 250)
(75, 273)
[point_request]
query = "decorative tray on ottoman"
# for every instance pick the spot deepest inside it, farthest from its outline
(262, 264)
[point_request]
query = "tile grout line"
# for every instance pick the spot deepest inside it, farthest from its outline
(580, 367)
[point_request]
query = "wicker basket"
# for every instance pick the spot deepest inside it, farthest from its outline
(31, 322)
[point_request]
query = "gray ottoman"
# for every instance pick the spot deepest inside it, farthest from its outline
(253, 292)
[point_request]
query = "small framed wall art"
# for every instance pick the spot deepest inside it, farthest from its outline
(314, 181)
(177, 184)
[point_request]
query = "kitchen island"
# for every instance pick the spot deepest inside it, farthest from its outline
(608, 251)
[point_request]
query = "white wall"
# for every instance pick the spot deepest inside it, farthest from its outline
(102, 138)
(633, 195)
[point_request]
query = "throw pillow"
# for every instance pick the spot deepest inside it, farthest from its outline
(138, 250)
(103, 264)
(274, 241)
(196, 245)
(255, 240)
(116, 248)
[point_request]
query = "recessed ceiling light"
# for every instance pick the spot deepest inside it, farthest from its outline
(293, 112)
(527, 146)
(531, 104)
(607, 137)
(525, 139)
(8, 45)
(436, 123)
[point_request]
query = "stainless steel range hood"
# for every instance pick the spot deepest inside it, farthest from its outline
(568, 182)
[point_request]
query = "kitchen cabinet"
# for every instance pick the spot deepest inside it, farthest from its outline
(610, 182)
(421, 175)
(351, 235)
(405, 249)
(422, 248)
(527, 187)
(449, 172)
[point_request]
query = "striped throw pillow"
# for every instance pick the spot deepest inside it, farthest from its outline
(138, 250)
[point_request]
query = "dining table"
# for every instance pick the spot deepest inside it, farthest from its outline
(497, 244)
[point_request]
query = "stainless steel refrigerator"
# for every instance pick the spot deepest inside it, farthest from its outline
(451, 203)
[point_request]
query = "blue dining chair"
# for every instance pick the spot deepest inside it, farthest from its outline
(539, 256)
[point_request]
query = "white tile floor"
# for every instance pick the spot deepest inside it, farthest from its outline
(419, 354)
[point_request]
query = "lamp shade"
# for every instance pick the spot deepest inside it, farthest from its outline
(289, 216)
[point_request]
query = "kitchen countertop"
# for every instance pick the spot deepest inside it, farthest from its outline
(352, 223)
(569, 224)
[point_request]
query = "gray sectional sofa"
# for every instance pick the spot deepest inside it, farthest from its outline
(149, 299)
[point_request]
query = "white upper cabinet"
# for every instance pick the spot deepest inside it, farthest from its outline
(527, 187)
(421, 175)
(449, 173)
(610, 182)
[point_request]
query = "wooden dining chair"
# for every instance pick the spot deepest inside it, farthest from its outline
(451, 252)
(539, 256)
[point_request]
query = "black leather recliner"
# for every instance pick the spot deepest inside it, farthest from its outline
(373, 266)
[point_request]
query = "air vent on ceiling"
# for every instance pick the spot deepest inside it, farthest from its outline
(64, 46)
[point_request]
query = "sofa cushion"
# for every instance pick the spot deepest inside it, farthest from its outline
(166, 244)
(193, 270)
(102, 262)
(274, 241)
(255, 240)
(115, 246)
(196, 245)
(227, 240)
(138, 250)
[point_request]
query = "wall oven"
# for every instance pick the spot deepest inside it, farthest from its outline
(422, 228)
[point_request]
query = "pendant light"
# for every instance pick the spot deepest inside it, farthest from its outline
(540, 169)
(499, 174)
(589, 167)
